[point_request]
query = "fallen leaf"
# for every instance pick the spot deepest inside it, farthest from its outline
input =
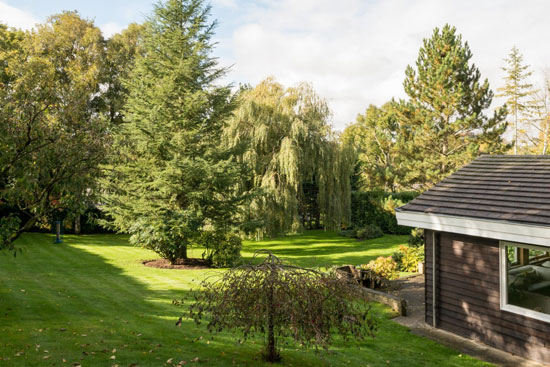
(46, 357)
(112, 357)
(169, 360)
(114, 351)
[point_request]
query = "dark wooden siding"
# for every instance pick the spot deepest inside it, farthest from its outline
(468, 297)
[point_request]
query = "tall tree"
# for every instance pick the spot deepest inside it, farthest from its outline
(294, 159)
(517, 90)
(445, 113)
(170, 178)
(121, 51)
(52, 132)
(379, 142)
(538, 118)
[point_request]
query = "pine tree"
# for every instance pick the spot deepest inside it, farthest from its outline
(171, 179)
(444, 120)
(516, 89)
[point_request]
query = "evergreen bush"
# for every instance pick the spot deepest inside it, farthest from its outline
(378, 207)
(221, 249)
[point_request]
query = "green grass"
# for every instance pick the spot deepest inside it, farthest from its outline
(90, 299)
(320, 249)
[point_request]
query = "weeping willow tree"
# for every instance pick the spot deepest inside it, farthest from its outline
(296, 162)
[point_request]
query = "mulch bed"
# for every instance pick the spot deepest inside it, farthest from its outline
(180, 264)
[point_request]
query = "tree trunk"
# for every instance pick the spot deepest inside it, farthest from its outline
(77, 224)
(180, 254)
(58, 231)
(271, 354)
(271, 349)
(30, 223)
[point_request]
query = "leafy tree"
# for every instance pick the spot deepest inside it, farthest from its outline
(516, 89)
(538, 119)
(170, 178)
(52, 132)
(294, 159)
(278, 300)
(379, 141)
(121, 51)
(445, 113)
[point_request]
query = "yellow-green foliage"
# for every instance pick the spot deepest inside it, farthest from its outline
(410, 258)
(290, 144)
(383, 267)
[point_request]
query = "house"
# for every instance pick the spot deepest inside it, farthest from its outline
(487, 250)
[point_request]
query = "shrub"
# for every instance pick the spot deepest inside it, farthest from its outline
(222, 249)
(411, 256)
(350, 233)
(378, 207)
(369, 231)
(9, 225)
(276, 300)
(398, 258)
(416, 238)
(381, 270)
(161, 238)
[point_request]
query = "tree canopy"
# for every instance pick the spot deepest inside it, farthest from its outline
(446, 110)
(294, 159)
(442, 125)
(52, 134)
(378, 138)
(171, 179)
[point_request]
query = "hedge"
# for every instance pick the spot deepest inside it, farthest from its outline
(378, 207)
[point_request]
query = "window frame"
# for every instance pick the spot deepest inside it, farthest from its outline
(503, 280)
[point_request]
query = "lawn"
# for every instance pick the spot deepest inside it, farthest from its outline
(90, 301)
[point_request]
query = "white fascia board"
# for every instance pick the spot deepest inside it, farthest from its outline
(506, 231)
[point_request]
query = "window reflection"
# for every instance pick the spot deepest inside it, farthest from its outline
(528, 282)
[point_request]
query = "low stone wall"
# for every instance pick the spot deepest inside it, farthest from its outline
(397, 304)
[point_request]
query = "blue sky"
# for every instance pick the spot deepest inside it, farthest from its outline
(353, 52)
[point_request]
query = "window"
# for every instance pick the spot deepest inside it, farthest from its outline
(525, 280)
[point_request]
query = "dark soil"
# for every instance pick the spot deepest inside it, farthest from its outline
(180, 264)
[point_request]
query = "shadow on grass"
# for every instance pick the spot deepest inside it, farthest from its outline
(321, 249)
(62, 302)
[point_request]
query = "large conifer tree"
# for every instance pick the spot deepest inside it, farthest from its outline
(445, 114)
(516, 89)
(171, 179)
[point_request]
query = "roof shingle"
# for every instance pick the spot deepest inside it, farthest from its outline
(498, 187)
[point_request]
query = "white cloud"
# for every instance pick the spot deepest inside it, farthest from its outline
(15, 17)
(355, 52)
(225, 3)
(111, 28)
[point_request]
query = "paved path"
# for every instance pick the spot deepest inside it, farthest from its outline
(412, 290)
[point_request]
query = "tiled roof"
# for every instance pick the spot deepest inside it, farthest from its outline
(498, 187)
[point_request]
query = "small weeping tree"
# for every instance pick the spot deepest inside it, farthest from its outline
(277, 301)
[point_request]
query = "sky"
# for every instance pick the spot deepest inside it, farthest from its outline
(353, 52)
